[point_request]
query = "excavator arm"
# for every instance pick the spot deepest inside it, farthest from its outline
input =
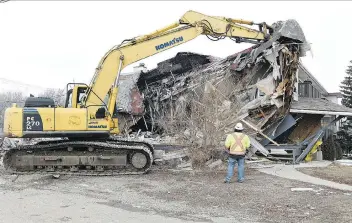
(191, 25)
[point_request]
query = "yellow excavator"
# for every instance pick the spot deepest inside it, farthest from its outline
(87, 125)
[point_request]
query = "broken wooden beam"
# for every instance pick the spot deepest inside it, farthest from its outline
(259, 131)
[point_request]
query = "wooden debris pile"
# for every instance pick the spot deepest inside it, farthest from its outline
(201, 97)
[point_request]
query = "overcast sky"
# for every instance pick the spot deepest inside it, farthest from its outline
(55, 42)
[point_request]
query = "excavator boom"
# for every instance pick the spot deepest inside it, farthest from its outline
(191, 25)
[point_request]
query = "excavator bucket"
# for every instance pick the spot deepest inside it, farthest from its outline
(292, 30)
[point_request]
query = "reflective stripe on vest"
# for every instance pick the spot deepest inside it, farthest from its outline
(237, 148)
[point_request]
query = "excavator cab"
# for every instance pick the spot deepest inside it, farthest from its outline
(74, 99)
(74, 95)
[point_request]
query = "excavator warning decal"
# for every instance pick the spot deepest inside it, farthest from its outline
(32, 120)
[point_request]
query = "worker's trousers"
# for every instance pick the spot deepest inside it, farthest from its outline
(232, 162)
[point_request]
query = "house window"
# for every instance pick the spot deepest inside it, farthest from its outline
(306, 89)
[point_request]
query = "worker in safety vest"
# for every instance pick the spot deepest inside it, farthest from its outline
(236, 145)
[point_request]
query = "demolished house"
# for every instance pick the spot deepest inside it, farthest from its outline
(196, 99)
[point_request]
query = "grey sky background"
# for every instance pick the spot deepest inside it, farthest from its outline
(55, 42)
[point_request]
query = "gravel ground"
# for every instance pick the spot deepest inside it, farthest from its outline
(168, 196)
(336, 173)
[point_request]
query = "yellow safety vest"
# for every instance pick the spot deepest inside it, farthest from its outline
(238, 143)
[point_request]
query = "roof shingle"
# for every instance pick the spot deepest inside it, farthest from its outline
(318, 104)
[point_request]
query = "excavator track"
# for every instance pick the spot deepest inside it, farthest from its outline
(81, 157)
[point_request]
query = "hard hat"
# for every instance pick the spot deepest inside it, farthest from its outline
(239, 126)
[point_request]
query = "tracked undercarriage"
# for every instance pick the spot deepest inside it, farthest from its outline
(110, 156)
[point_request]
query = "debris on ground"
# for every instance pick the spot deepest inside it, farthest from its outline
(56, 176)
(215, 164)
(176, 195)
(172, 159)
(194, 100)
(301, 189)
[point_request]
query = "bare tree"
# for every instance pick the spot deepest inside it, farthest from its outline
(57, 94)
(200, 119)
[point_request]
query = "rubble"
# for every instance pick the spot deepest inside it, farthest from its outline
(215, 164)
(185, 166)
(257, 146)
(194, 100)
(173, 159)
(197, 98)
(175, 94)
(159, 154)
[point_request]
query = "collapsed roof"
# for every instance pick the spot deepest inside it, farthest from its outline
(256, 85)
